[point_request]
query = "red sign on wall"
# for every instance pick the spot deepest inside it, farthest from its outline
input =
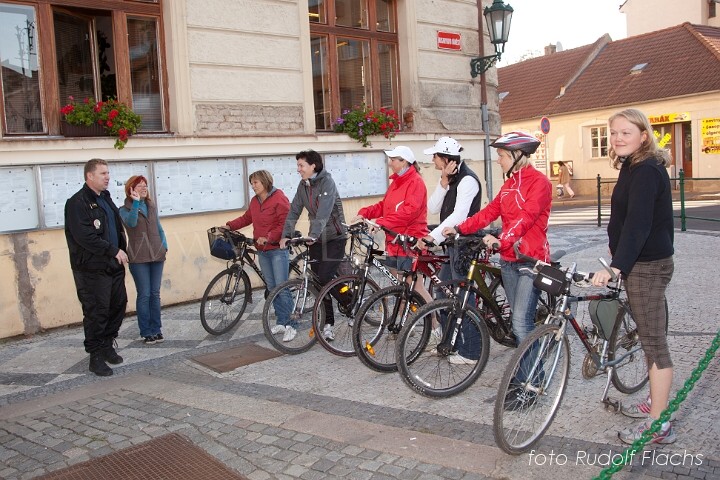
(448, 41)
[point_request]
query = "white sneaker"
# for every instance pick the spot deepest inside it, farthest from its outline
(278, 329)
(328, 333)
(290, 333)
(460, 360)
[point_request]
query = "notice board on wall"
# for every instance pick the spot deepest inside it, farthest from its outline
(18, 209)
(194, 185)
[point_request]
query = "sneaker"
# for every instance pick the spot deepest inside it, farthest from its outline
(278, 329)
(290, 333)
(458, 359)
(328, 333)
(518, 398)
(159, 338)
(149, 340)
(436, 333)
(662, 437)
(640, 410)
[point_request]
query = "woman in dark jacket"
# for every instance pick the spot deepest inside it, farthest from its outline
(640, 234)
(147, 247)
(317, 194)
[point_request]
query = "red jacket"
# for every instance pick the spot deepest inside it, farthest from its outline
(403, 209)
(267, 218)
(523, 204)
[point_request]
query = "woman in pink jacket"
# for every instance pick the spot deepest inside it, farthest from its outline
(267, 212)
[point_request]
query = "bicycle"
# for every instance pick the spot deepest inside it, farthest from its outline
(228, 293)
(534, 382)
(477, 309)
(348, 292)
(381, 317)
(296, 298)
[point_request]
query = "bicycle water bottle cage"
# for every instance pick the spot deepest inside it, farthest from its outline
(550, 279)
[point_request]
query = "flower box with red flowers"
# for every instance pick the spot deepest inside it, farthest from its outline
(360, 122)
(90, 119)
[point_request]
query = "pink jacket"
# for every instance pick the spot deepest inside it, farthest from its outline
(267, 218)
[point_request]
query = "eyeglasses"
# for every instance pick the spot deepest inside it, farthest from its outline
(141, 185)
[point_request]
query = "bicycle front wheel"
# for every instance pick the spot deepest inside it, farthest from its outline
(345, 294)
(378, 323)
(290, 304)
(631, 374)
(531, 389)
(224, 300)
(429, 363)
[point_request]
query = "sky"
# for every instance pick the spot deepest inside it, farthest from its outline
(573, 23)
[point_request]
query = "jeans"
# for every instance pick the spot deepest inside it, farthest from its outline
(523, 298)
(275, 265)
(468, 341)
(147, 278)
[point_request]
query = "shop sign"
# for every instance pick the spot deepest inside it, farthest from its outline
(669, 118)
(710, 133)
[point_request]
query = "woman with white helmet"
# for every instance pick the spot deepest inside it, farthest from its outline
(523, 204)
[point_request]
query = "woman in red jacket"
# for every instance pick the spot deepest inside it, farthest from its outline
(267, 212)
(402, 210)
(523, 205)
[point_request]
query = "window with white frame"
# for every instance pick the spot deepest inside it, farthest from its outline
(53, 49)
(354, 48)
(599, 142)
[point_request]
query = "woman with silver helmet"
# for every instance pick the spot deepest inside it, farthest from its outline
(523, 204)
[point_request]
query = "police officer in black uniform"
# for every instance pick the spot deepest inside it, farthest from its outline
(96, 242)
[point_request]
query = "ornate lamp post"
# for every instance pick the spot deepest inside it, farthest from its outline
(498, 17)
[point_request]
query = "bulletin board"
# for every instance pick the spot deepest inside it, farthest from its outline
(283, 170)
(18, 209)
(60, 182)
(358, 174)
(194, 185)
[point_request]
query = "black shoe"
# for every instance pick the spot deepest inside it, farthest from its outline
(159, 338)
(150, 340)
(98, 365)
(111, 356)
(518, 398)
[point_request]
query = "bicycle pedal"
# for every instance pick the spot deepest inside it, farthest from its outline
(369, 348)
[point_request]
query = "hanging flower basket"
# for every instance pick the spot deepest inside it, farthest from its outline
(92, 119)
(94, 130)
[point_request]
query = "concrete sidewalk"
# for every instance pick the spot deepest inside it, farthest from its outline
(316, 415)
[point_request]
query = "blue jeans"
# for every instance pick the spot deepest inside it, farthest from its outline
(523, 298)
(275, 265)
(147, 278)
(468, 342)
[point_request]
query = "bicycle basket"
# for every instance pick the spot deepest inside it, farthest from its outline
(220, 246)
(550, 279)
(603, 314)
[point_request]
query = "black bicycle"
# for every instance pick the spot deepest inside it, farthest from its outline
(441, 363)
(228, 293)
(534, 382)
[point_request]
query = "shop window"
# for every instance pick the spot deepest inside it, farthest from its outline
(598, 142)
(99, 53)
(354, 48)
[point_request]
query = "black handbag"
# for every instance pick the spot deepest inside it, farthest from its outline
(550, 279)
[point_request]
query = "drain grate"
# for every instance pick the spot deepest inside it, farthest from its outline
(232, 358)
(170, 457)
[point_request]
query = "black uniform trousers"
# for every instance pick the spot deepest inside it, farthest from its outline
(103, 298)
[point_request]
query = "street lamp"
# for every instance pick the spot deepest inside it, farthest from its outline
(498, 16)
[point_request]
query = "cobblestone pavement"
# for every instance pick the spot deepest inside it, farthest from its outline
(316, 415)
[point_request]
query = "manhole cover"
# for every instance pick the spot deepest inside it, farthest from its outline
(170, 457)
(232, 358)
